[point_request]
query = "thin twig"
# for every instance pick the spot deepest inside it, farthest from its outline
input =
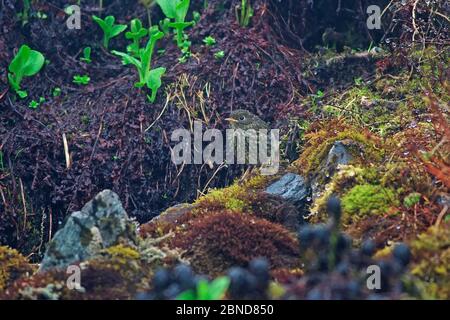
(66, 151)
(162, 112)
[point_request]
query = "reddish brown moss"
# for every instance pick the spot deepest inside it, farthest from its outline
(218, 241)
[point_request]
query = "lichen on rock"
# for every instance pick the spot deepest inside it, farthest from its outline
(101, 223)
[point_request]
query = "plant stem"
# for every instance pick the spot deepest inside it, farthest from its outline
(180, 37)
(149, 16)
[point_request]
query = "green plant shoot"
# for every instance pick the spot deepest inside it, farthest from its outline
(205, 290)
(81, 80)
(176, 10)
(110, 30)
(209, 41)
(244, 13)
(219, 55)
(86, 55)
(147, 76)
(136, 34)
(26, 63)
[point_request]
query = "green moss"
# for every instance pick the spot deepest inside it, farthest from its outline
(12, 266)
(368, 199)
(363, 146)
(236, 198)
(411, 199)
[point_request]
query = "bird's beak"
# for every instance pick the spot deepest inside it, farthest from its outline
(230, 120)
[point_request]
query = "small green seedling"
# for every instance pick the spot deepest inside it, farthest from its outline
(26, 63)
(147, 76)
(86, 55)
(196, 16)
(164, 25)
(41, 15)
(176, 10)
(205, 290)
(209, 41)
(219, 55)
(244, 13)
(136, 34)
(110, 30)
(185, 50)
(34, 104)
(81, 80)
(56, 92)
(26, 12)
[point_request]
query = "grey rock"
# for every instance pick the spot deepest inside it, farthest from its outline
(291, 187)
(338, 155)
(100, 224)
(174, 213)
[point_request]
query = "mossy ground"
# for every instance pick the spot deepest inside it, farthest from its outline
(391, 110)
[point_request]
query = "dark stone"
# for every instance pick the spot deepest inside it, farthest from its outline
(338, 155)
(290, 187)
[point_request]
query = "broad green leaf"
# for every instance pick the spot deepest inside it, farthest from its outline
(33, 64)
(154, 81)
(218, 287)
(109, 20)
(101, 23)
(203, 290)
(22, 94)
(186, 295)
(180, 25)
(20, 59)
(168, 7)
(181, 11)
(117, 29)
(154, 77)
(127, 59)
(136, 25)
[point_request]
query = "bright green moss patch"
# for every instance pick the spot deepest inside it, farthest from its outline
(369, 199)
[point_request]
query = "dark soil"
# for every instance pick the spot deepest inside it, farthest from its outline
(104, 122)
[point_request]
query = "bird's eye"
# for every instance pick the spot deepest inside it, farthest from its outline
(242, 118)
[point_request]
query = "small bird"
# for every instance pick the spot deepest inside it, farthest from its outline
(333, 39)
(245, 120)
